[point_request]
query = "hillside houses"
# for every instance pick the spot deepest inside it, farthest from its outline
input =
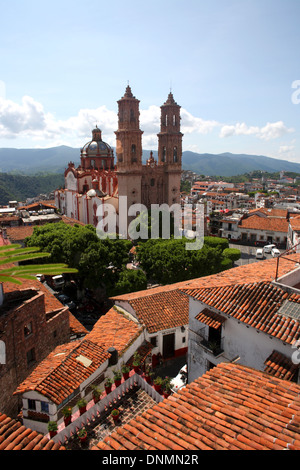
(254, 227)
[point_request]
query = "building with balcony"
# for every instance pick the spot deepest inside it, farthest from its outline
(251, 315)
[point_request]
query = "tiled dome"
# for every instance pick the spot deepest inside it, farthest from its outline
(96, 147)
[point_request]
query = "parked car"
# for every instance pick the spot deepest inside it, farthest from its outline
(260, 253)
(180, 380)
(65, 300)
(56, 282)
(275, 252)
(269, 248)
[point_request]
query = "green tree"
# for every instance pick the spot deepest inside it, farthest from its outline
(232, 253)
(130, 280)
(168, 261)
(98, 261)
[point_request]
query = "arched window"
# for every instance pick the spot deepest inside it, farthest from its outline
(133, 153)
(152, 182)
(164, 154)
(132, 118)
(175, 157)
(174, 120)
(2, 353)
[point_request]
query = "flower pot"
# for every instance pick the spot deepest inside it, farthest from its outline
(166, 394)
(107, 389)
(52, 433)
(116, 415)
(96, 399)
(118, 382)
(83, 438)
(148, 379)
(67, 420)
(82, 410)
(125, 375)
(136, 368)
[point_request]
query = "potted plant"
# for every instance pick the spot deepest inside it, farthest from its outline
(67, 412)
(158, 381)
(125, 371)
(82, 434)
(136, 361)
(115, 414)
(117, 377)
(148, 373)
(166, 387)
(107, 385)
(82, 405)
(96, 393)
(52, 428)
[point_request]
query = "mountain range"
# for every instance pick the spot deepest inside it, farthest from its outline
(56, 159)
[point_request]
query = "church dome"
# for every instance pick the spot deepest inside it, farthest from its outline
(96, 147)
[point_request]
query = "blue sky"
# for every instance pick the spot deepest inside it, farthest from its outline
(230, 64)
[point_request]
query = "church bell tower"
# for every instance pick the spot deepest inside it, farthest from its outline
(170, 149)
(129, 149)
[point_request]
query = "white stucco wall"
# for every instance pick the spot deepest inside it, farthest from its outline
(252, 346)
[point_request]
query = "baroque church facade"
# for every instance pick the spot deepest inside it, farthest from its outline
(99, 179)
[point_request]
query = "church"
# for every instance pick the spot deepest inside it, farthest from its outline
(100, 179)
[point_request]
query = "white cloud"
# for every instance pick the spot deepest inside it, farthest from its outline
(29, 120)
(191, 124)
(288, 151)
(15, 118)
(268, 132)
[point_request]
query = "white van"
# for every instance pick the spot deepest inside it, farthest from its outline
(275, 252)
(269, 248)
(260, 253)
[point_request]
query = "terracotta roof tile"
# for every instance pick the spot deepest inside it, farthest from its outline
(255, 222)
(116, 330)
(206, 415)
(210, 318)
(57, 376)
(280, 366)
(15, 436)
(256, 304)
(19, 233)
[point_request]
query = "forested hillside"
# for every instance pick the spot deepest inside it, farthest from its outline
(20, 187)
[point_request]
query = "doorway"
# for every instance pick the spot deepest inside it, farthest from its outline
(168, 345)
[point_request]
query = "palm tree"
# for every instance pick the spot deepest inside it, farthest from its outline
(14, 253)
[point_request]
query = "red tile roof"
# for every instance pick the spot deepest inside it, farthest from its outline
(255, 222)
(210, 318)
(166, 307)
(19, 233)
(15, 436)
(231, 407)
(116, 330)
(281, 366)
(61, 373)
(255, 304)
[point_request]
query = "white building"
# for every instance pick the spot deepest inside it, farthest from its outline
(246, 316)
